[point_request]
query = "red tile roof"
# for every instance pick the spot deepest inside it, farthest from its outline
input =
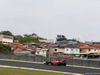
(18, 49)
(86, 47)
(23, 48)
(14, 46)
(83, 45)
(30, 48)
(50, 43)
(80, 44)
(18, 44)
(96, 46)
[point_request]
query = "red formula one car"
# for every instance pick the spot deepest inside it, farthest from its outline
(56, 62)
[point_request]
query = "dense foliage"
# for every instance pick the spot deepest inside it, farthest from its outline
(5, 49)
(23, 39)
(6, 33)
(30, 38)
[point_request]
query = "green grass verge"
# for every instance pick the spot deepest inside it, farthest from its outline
(14, 71)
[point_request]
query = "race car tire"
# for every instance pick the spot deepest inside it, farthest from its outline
(64, 64)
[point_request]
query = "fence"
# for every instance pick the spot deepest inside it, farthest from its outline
(24, 58)
(79, 62)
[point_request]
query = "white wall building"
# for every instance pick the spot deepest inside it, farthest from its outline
(42, 52)
(5, 39)
(72, 50)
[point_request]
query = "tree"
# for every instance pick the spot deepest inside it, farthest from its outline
(34, 35)
(6, 33)
(5, 49)
(30, 38)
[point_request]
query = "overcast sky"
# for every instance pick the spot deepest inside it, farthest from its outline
(73, 18)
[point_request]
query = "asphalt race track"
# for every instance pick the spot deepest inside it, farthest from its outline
(50, 67)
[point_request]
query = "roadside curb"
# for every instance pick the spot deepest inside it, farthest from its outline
(67, 73)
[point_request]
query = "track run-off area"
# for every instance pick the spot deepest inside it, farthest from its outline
(38, 66)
